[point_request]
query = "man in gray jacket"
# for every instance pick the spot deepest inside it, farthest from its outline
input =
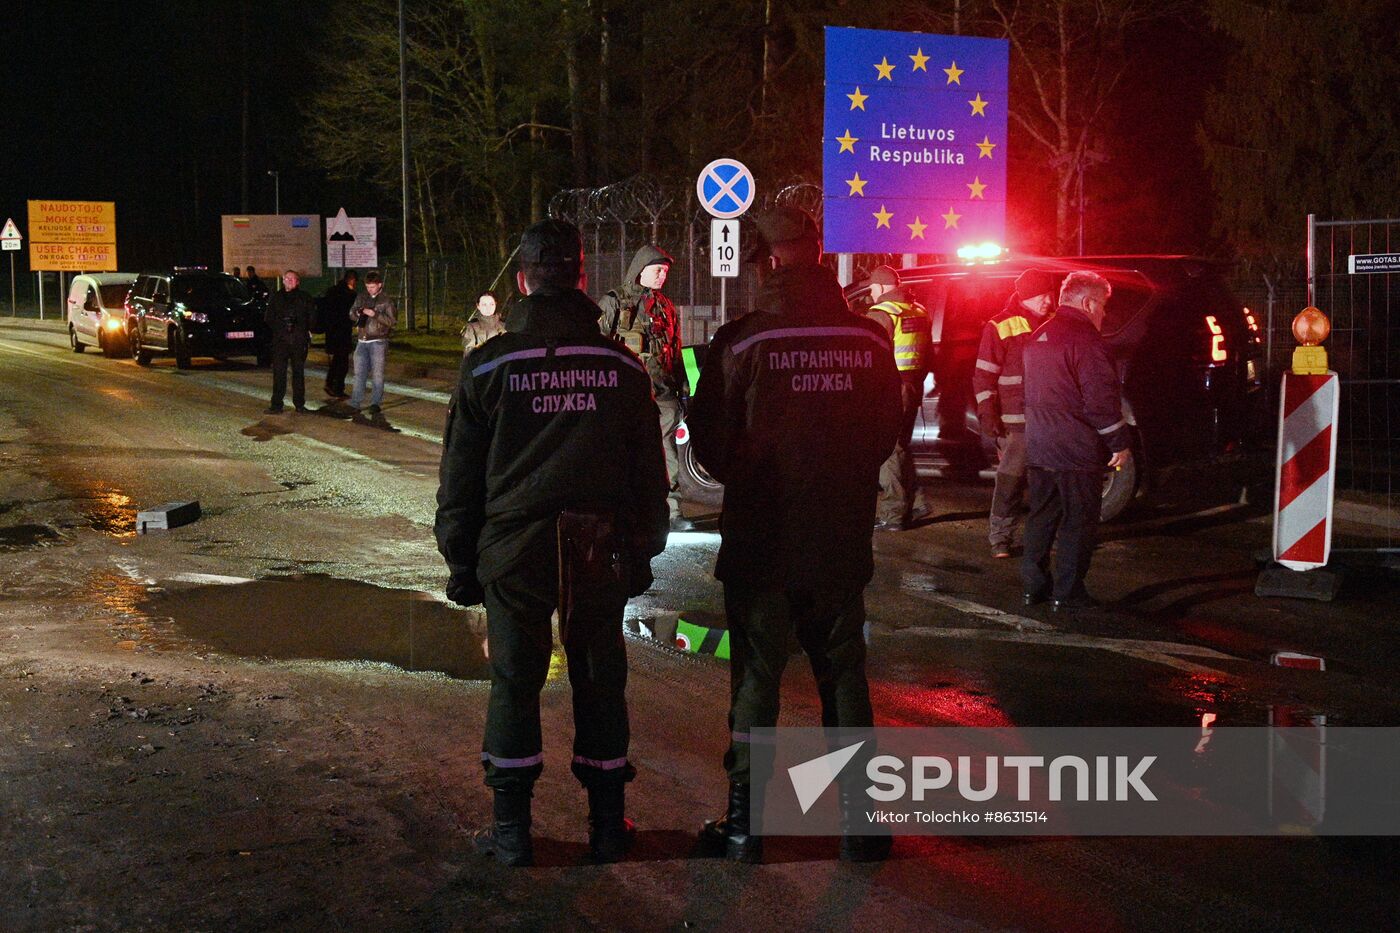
(373, 314)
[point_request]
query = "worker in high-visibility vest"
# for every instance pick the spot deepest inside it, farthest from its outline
(999, 381)
(902, 502)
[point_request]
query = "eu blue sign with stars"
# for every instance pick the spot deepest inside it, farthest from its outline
(914, 153)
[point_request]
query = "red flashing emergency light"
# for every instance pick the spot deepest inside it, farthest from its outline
(984, 252)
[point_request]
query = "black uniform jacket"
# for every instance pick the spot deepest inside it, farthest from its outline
(1074, 407)
(289, 317)
(797, 407)
(334, 314)
(548, 416)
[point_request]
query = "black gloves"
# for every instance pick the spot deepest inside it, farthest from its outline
(464, 590)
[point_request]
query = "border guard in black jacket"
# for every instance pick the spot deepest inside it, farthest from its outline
(1074, 417)
(289, 316)
(553, 495)
(797, 407)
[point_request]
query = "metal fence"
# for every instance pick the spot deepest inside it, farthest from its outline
(618, 219)
(1365, 312)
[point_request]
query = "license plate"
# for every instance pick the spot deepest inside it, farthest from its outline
(239, 335)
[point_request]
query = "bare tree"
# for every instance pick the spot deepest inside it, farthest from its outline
(1068, 59)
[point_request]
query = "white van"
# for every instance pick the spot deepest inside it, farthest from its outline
(97, 311)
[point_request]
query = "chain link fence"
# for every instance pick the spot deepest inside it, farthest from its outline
(618, 219)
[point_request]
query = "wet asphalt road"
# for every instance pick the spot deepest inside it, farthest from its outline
(312, 580)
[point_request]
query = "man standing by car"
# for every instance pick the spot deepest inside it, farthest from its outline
(289, 315)
(1074, 417)
(910, 331)
(641, 317)
(552, 454)
(340, 337)
(797, 407)
(373, 314)
(999, 381)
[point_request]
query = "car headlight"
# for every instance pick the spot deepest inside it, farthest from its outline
(199, 317)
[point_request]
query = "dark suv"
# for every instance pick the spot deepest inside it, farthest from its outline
(194, 312)
(1187, 352)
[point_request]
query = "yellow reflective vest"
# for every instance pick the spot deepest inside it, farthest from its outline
(913, 335)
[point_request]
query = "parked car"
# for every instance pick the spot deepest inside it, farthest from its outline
(1188, 354)
(97, 311)
(189, 312)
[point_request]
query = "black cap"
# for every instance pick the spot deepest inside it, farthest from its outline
(884, 275)
(550, 242)
(1035, 282)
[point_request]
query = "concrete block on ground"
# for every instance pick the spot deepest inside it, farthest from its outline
(1276, 580)
(661, 627)
(167, 516)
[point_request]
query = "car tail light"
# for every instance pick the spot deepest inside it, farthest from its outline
(1211, 348)
(1253, 324)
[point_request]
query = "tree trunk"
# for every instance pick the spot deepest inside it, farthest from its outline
(604, 104)
(769, 52)
(536, 180)
(578, 137)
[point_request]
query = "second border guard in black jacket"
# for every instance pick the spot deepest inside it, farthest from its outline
(553, 447)
(797, 407)
(1074, 417)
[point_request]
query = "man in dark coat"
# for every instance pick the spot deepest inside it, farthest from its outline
(640, 316)
(334, 312)
(797, 407)
(1074, 418)
(550, 421)
(289, 316)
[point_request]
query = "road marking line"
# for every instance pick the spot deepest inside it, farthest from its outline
(924, 587)
(1155, 652)
(212, 578)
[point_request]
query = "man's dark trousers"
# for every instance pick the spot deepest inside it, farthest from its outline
(520, 641)
(1064, 513)
(830, 626)
(1009, 489)
(337, 368)
(283, 355)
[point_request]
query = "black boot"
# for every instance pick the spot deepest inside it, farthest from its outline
(508, 839)
(729, 835)
(855, 846)
(609, 832)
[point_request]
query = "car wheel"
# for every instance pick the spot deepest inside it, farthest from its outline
(181, 346)
(140, 354)
(264, 358)
(696, 483)
(1120, 487)
(73, 341)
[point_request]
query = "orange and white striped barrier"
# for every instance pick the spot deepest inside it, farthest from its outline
(1306, 470)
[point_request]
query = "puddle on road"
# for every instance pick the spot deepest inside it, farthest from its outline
(24, 537)
(323, 618)
(110, 511)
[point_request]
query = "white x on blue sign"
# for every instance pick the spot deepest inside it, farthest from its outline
(726, 188)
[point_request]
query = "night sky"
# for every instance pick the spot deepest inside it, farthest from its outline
(139, 103)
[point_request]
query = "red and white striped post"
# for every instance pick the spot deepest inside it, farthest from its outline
(1307, 450)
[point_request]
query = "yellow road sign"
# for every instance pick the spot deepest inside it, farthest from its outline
(72, 236)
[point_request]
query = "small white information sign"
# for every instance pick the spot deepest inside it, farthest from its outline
(724, 248)
(352, 242)
(10, 238)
